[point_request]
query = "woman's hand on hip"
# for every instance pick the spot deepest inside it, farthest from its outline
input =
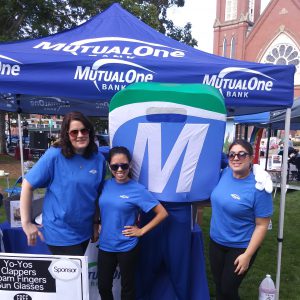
(132, 231)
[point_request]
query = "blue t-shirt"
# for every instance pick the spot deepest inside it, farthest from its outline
(235, 205)
(119, 206)
(72, 187)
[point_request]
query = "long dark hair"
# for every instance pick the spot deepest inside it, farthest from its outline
(120, 150)
(65, 143)
(246, 145)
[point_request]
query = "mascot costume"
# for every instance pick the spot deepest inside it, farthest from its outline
(175, 134)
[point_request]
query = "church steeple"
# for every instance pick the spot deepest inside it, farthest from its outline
(234, 18)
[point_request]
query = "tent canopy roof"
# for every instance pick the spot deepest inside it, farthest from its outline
(85, 66)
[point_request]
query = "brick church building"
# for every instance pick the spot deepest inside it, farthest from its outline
(242, 31)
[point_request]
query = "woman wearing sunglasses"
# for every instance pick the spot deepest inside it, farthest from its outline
(240, 218)
(71, 172)
(120, 202)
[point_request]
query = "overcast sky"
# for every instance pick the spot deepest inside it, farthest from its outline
(202, 15)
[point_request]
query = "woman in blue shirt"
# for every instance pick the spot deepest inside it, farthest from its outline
(240, 218)
(72, 172)
(120, 202)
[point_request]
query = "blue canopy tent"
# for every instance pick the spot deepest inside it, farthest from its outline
(82, 68)
(96, 59)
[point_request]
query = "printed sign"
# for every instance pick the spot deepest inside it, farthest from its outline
(276, 162)
(15, 216)
(26, 276)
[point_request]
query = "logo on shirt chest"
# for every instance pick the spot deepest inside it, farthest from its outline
(124, 196)
(235, 196)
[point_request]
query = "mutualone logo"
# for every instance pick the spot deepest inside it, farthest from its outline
(10, 67)
(114, 68)
(64, 269)
(233, 84)
(107, 77)
(113, 47)
(49, 103)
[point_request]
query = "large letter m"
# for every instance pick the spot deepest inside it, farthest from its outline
(191, 138)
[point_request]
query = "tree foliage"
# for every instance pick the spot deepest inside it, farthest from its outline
(36, 18)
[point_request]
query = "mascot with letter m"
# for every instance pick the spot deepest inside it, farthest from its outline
(175, 134)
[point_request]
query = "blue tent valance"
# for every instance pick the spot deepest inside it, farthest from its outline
(275, 119)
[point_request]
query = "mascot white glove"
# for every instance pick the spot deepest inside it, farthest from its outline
(263, 179)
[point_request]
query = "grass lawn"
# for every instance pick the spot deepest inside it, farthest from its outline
(266, 261)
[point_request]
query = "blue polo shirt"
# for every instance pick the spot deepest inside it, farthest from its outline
(119, 206)
(235, 205)
(72, 187)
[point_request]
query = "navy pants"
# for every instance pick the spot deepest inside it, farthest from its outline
(167, 246)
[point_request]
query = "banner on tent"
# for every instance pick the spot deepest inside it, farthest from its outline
(52, 105)
(26, 276)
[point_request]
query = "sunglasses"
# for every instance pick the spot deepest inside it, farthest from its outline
(74, 133)
(115, 167)
(240, 155)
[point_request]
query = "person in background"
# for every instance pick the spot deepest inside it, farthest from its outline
(240, 218)
(294, 158)
(280, 149)
(120, 202)
(262, 149)
(72, 172)
(96, 140)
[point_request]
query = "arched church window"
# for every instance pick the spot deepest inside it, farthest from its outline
(231, 10)
(284, 54)
(224, 48)
(232, 47)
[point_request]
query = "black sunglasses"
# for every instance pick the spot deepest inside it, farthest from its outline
(240, 155)
(74, 133)
(115, 167)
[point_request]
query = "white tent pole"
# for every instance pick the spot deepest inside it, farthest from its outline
(282, 197)
(21, 144)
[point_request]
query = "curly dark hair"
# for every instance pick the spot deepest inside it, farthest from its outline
(65, 143)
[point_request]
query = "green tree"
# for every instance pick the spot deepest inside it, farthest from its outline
(36, 18)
